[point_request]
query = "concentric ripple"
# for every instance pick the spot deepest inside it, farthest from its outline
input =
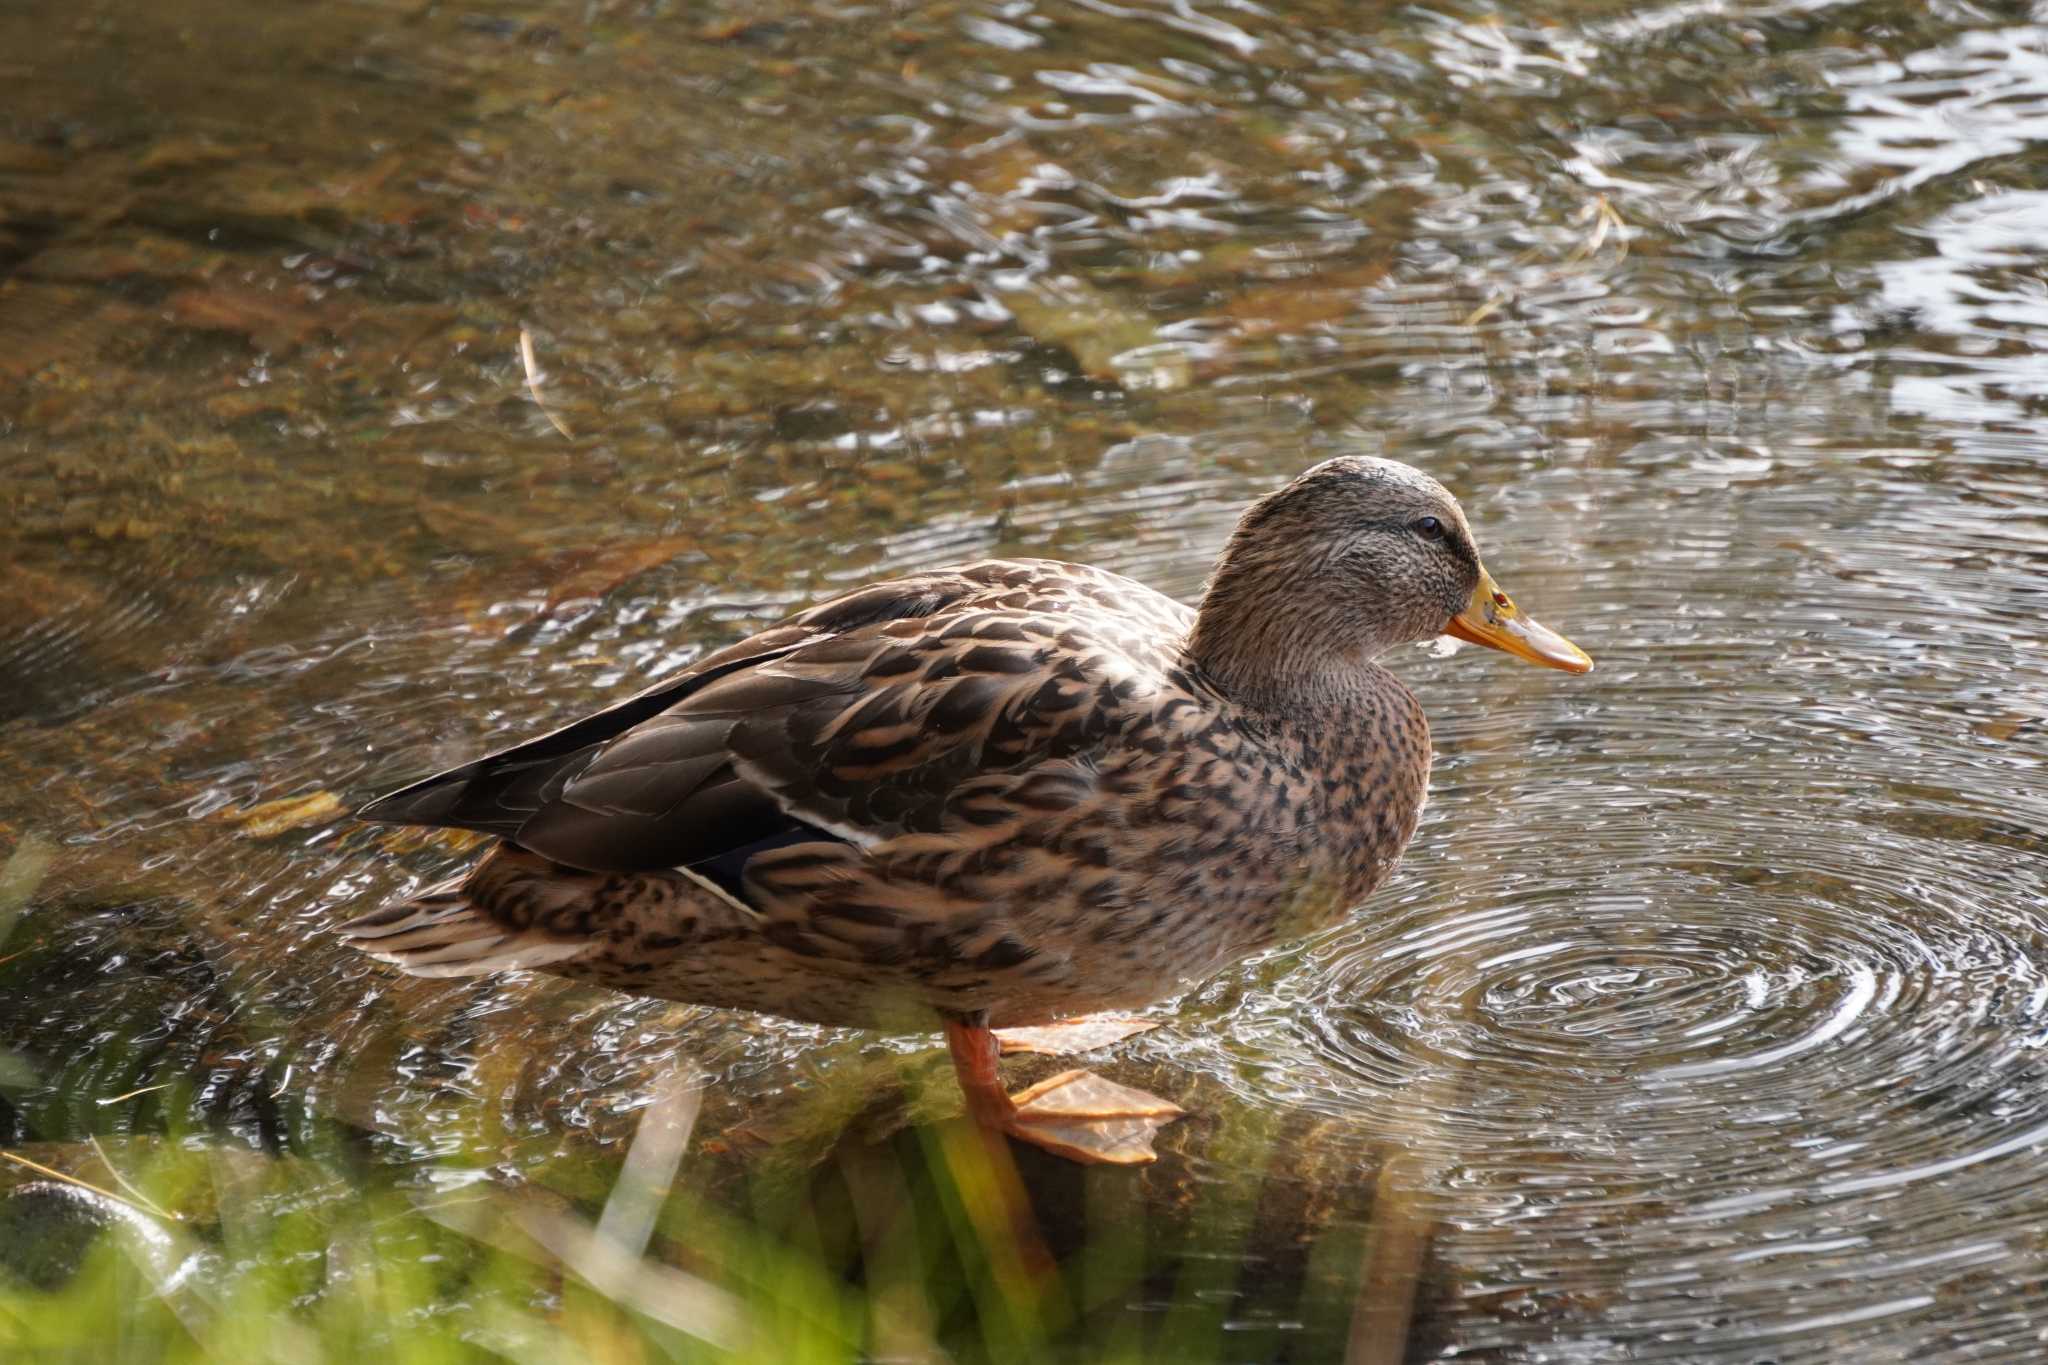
(1731, 978)
(1716, 1027)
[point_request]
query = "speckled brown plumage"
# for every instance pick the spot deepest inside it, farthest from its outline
(1009, 792)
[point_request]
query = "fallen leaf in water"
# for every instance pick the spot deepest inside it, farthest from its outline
(117, 257)
(413, 838)
(1011, 175)
(292, 812)
(1296, 305)
(475, 527)
(272, 321)
(745, 30)
(128, 528)
(55, 324)
(27, 156)
(600, 571)
(1108, 338)
(29, 594)
(364, 181)
(239, 404)
(20, 875)
(185, 153)
(2005, 726)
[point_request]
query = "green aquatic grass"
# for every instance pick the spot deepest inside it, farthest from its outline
(306, 1262)
(928, 1245)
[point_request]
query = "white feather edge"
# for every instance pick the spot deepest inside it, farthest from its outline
(459, 941)
(711, 888)
(860, 838)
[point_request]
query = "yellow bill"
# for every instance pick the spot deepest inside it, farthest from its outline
(1492, 619)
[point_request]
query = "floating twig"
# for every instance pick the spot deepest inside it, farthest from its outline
(116, 1099)
(140, 1198)
(40, 1169)
(533, 379)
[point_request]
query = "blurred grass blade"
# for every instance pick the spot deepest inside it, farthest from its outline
(650, 1167)
(662, 1293)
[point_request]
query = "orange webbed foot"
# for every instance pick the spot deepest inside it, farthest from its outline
(1081, 1116)
(1076, 1114)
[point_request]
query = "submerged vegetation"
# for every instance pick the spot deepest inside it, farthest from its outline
(928, 1245)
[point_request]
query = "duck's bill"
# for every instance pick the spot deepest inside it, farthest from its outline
(1493, 620)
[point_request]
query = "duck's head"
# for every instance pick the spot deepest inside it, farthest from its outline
(1352, 558)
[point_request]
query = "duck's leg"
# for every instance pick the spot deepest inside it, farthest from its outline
(1075, 1114)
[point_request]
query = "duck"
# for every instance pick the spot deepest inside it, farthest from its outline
(1001, 794)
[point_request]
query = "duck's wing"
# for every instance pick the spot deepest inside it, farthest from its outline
(860, 719)
(500, 792)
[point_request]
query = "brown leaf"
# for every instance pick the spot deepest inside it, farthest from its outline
(2004, 727)
(274, 321)
(600, 571)
(292, 812)
(1297, 305)
(53, 324)
(1109, 338)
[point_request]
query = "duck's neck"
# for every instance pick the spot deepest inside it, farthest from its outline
(1270, 640)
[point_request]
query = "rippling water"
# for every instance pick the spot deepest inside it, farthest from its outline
(1706, 1020)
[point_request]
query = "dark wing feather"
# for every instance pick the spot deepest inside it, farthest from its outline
(860, 736)
(892, 757)
(500, 792)
(657, 780)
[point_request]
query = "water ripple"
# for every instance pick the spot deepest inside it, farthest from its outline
(1753, 997)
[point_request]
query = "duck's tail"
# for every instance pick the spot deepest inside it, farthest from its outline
(447, 929)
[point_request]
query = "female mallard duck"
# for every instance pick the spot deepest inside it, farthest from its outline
(1009, 793)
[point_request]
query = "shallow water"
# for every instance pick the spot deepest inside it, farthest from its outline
(1705, 1020)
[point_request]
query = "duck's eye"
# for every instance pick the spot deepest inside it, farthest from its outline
(1429, 528)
